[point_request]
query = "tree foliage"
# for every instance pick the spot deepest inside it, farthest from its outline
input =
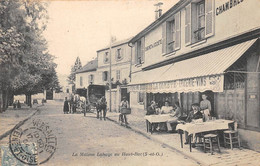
(26, 67)
(72, 77)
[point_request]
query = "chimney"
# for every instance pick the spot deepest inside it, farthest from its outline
(158, 10)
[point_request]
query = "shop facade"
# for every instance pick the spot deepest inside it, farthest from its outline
(202, 46)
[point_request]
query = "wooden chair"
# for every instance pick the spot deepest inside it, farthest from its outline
(231, 137)
(209, 140)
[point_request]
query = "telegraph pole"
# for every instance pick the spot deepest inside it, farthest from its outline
(110, 73)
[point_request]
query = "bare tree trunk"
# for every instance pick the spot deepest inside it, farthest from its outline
(29, 99)
(1, 101)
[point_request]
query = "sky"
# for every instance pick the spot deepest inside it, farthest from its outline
(80, 28)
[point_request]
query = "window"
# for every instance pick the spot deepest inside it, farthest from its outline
(140, 98)
(106, 57)
(139, 51)
(199, 32)
(171, 34)
(199, 21)
(81, 81)
(118, 75)
(91, 79)
(105, 76)
(119, 54)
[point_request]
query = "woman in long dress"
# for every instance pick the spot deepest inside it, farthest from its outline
(66, 106)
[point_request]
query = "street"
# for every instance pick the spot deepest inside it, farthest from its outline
(90, 141)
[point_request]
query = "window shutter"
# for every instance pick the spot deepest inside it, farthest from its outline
(142, 49)
(164, 38)
(168, 36)
(122, 52)
(209, 18)
(89, 79)
(177, 42)
(136, 53)
(188, 25)
(116, 54)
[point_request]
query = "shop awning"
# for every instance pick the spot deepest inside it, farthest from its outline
(205, 72)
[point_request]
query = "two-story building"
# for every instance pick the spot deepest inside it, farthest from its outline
(202, 46)
(86, 75)
(120, 61)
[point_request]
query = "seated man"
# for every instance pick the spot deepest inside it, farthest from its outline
(151, 110)
(176, 114)
(166, 109)
(193, 115)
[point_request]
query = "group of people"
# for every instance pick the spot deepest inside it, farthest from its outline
(16, 104)
(174, 111)
(70, 104)
(198, 111)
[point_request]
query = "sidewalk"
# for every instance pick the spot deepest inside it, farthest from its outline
(12, 117)
(238, 157)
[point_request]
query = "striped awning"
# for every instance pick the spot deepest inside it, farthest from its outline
(200, 73)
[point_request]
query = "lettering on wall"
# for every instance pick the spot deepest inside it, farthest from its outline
(226, 6)
(155, 44)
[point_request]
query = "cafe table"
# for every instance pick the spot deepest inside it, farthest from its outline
(200, 127)
(152, 119)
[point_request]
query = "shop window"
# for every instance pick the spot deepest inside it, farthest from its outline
(119, 54)
(139, 51)
(171, 34)
(91, 79)
(80, 81)
(118, 75)
(105, 76)
(234, 81)
(106, 57)
(199, 21)
(140, 98)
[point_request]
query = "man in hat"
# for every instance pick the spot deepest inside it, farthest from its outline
(123, 105)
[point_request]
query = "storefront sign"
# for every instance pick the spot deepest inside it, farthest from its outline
(214, 83)
(155, 44)
(228, 5)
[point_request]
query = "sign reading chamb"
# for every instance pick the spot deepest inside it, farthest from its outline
(33, 145)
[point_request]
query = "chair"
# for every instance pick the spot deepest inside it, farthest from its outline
(209, 140)
(231, 137)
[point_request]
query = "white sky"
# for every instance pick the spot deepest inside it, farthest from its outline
(80, 28)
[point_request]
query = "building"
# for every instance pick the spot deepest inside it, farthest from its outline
(120, 70)
(87, 75)
(202, 46)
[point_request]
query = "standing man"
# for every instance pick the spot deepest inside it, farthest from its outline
(123, 105)
(205, 107)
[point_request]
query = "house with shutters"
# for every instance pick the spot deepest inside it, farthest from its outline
(120, 62)
(202, 46)
(86, 75)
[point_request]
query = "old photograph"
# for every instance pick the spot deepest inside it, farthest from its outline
(130, 82)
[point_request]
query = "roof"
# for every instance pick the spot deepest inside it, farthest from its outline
(213, 63)
(90, 66)
(117, 43)
(165, 16)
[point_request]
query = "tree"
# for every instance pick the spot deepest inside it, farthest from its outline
(26, 66)
(72, 77)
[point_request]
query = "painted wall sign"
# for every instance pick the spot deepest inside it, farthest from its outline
(214, 83)
(228, 5)
(155, 44)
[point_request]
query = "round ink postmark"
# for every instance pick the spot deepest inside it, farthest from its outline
(33, 145)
